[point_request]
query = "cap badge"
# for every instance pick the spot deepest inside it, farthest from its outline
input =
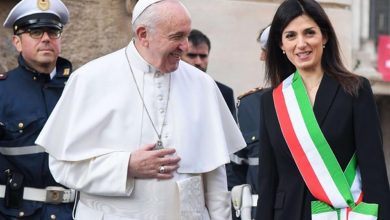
(43, 4)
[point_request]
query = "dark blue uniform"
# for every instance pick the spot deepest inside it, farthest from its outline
(243, 168)
(227, 94)
(26, 101)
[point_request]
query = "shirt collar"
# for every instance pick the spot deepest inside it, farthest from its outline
(53, 73)
(138, 61)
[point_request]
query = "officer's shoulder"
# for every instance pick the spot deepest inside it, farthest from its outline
(250, 92)
(65, 67)
(3, 76)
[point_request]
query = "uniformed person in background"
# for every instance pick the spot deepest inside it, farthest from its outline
(244, 163)
(28, 94)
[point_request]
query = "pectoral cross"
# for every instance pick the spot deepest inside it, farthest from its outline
(159, 145)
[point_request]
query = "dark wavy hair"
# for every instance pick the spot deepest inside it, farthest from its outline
(278, 67)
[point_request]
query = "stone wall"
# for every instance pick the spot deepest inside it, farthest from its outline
(7, 51)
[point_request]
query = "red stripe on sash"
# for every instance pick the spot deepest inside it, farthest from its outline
(295, 147)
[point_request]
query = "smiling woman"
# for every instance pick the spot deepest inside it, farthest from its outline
(303, 43)
(320, 134)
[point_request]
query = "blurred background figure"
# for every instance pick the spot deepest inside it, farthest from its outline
(243, 168)
(262, 39)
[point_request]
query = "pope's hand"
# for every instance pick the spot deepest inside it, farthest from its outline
(149, 163)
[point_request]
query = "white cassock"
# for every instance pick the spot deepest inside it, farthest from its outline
(100, 120)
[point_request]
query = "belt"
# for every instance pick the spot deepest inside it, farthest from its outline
(251, 161)
(51, 194)
(23, 150)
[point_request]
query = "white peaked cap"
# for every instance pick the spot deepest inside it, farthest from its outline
(264, 38)
(140, 7)
(30, 7)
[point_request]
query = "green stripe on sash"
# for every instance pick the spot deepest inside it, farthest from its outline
(350, 171)
(319, 140)
(367, 209)
(345, 181)
(318, 207)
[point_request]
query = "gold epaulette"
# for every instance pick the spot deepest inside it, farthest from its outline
(249, 92)
(66, 72)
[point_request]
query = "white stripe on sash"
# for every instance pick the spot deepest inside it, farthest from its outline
(343, 214)
(325, 216)
(359, 216)
(310, 149)
(356, 188)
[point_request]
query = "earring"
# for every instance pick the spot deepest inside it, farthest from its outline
(284, 52)
(323, 46)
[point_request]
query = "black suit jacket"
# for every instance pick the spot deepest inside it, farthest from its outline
(349, 124)
(227, 94)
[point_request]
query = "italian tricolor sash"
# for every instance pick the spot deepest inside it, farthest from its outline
(339, 193)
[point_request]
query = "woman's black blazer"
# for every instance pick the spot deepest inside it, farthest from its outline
(349, 124)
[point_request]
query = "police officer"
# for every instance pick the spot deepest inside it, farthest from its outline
(28, 94)
(243, 168)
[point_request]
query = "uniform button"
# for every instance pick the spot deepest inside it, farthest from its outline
(253, 138)
(21, 125)
(162, 110)
(21, 214)
(34, 78)
(53, 216)
(158, 85)
(160, 97)
(20, 131)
